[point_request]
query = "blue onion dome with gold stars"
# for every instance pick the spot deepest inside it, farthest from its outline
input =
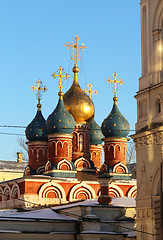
(36, 130)
(96, 135)
(60, 121)
(115, 125)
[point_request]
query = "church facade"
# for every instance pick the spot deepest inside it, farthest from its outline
(65, 152)
(149, 126)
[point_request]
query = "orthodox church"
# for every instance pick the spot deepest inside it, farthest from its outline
(65, 151)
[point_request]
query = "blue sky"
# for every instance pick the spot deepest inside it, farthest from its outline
(33, 34)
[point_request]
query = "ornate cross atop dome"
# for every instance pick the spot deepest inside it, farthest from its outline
(61, 75)
(75, 46)
(90, 91)
(115, 81)
(39, 88)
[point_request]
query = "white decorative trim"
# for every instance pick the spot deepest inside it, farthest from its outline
(83, 191)
(7, 190)
(84, 187)
(66, 162)
(77, 162)
(52, 186)
(116, 189)
(122, 165)
(15, 188)
(131, 191)
(48, 164)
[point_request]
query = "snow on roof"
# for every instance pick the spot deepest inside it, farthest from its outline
(42, 214)
(12, 166)
(117, 202)
(9, 231)
(124, 202)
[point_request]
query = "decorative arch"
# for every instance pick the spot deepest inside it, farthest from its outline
(111, 148)
(15, 191)
(48, 166)
(1, 194)
(75, 142)
(27, 171)
(158, 101)
(158, 16)
(115, 191)
(64, 165)
(82, 163)
(81, 142)
(59, 148)
(52, 190)
(156, 181)
(132, 192)
(103, 168)
(81, 191)
(40, 170)
(7, 193)
(120, 168)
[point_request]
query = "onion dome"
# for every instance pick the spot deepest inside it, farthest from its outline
(60, 121)
(36, 130)
(95, 133)
(77, 102)
(115, 125)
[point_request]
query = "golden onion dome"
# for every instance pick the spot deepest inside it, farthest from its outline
(77, 102)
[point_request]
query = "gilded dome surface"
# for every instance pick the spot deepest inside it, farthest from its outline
(60, 121)
(95, 133)
(36, 130)
(115, 125)
(77, 102)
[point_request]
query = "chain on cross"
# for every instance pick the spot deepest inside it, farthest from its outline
(90, 91)
(115, 81)
(60, 74)
(75, 47)
(39, 88)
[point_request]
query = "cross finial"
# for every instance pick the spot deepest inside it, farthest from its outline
(60, 74)
(39, 88)
(75, 46)
(90, 91)
(115, 81)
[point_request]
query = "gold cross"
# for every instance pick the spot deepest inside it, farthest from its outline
(90, 91)
(60, 74)
(75, 45)
(115, 81)
(39, 88)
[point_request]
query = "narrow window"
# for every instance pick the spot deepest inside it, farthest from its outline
(158, 106)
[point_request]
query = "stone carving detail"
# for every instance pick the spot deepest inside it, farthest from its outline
(151, 139)
(143, 190)
(156, 35)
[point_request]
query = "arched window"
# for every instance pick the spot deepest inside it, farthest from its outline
(81, 142)
(74, 142)
(158, 106)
